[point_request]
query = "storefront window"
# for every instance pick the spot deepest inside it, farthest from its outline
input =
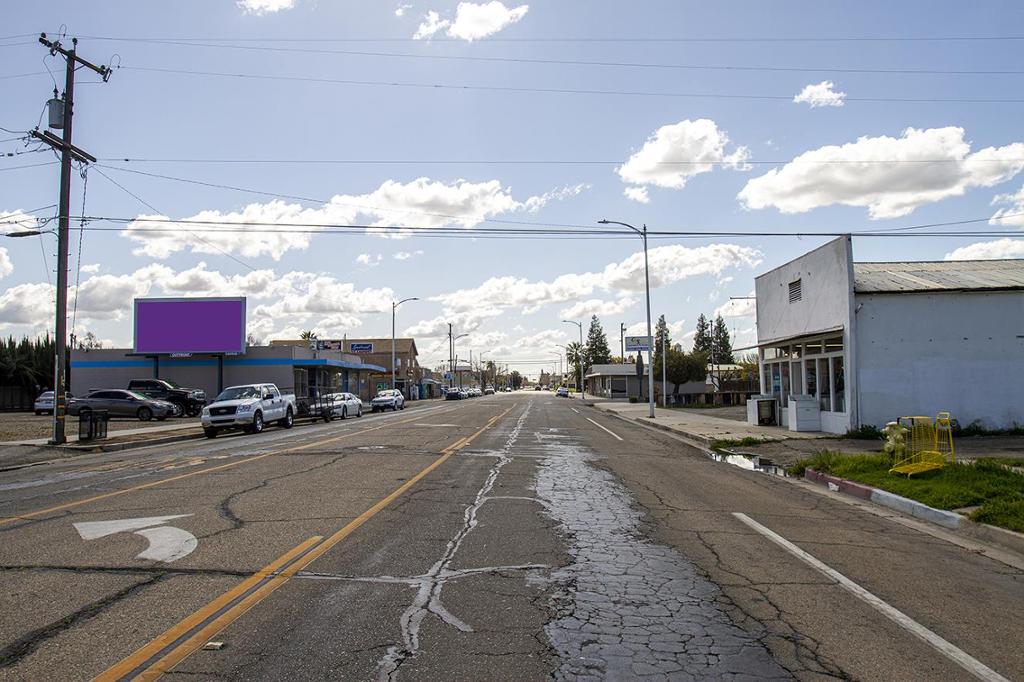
(767, 378)
(824, 394)
(797, 351)
(784, 366)
(834, 344)
(839, 382)
(798, 378)
(810, 367)
(776, 379)
(812, 348)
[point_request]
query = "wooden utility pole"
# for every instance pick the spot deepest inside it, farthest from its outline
(68, 152)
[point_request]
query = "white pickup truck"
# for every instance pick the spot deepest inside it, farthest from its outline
(249, 408)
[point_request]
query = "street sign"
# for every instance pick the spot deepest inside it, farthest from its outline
(166, 543)
(381, 385)
(448, 376)
(638, 343)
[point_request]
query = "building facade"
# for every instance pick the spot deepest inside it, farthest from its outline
(844, 344)
(409, 376)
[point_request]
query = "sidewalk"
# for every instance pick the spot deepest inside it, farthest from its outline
(119, 434)
(700, 426)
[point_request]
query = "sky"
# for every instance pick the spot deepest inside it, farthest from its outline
(260, 122)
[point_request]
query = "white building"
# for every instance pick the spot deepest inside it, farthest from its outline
(865, 343)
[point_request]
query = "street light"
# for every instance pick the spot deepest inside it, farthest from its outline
(451, 352)
(650, 338)
(580, 355)
(566, 349)
(394, 306)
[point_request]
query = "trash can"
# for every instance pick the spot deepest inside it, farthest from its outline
(766, 412)
(92, 424)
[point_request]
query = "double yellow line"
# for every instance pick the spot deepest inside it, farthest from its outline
(176, 644)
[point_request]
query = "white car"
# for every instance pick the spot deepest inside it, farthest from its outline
(343, 405)
(44, 403)
(248, 407)
(388, 399)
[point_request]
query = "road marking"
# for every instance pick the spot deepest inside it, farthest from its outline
(153, 484)
(445, 425)
(228, 607)
(958, 656)
(166, 543)
(574, 410)
(603, 428)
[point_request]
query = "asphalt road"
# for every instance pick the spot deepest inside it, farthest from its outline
(506, 537)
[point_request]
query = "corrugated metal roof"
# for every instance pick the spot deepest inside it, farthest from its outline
(938, 276)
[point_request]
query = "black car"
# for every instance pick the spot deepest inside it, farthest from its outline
(190, 401)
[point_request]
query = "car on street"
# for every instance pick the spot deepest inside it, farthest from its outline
(248, 407)
(562, 392)
(453, 394)
(388, 399)
(536, 388)
(342, 406)
(121, 403)
(190, 401)
(44, 403)
(488, 391)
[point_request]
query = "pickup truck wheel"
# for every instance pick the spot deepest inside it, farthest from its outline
(144, 414)
(257, 423)
(179, 408)
(210, 433)
(194, 410)
(288, 420)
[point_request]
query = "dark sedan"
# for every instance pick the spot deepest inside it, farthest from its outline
(120, 403)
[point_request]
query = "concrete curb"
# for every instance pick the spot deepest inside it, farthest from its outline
(654, 423)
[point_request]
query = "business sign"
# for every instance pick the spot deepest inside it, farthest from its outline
(638, 343)
(360, 348)
(189, 325)
(326, 344)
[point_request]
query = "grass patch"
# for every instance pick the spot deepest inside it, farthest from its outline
(699, 406)
(866, 432)
(997, 491)
(1004, 461)
(746, 441)
(976, 429)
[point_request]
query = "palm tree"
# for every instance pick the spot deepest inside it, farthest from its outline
(308, 335)
(577, 357)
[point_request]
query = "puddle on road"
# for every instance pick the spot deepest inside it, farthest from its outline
(750, 463)
(628, 607)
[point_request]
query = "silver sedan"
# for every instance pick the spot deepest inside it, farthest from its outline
(344, 405)
(119, 403)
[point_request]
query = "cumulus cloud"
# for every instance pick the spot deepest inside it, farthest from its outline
(368, 260)
(406, 255)
(6, 266)
(29, 304)
(1014, 215)
(465, 321)
(821, 95)
(400, 10)
(638, 194)
(668, 264)
(260, 7)
(851, 174)
(739, 307)
(17, 221)
(599, 307)
(675, 153)
(276, 227)
(473, 21)
(992, 250)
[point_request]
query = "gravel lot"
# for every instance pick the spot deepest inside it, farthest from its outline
(26, 425)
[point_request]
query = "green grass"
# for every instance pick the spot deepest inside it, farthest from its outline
(1004, 461)
(723, 443)
(997, 491)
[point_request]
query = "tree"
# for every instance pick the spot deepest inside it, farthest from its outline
(702, 338)
(597, 352)
(308, 335)
(684, 367)
(661, 332)
(517, 379)
(577, 356)
(723, 343)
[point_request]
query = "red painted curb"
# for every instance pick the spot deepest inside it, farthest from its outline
(847, 487)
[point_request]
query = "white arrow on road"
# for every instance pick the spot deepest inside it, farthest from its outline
(166, 543)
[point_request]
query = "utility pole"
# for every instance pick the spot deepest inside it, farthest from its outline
(664, 382)
(451, 358)
(622, 341)
(67, 153)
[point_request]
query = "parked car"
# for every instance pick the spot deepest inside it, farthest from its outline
(189, 400)
(388, 399)
(343, 405)
(248, 407)
(562, 392)
(453, 394)
(488, 391)
(120, 403)
(536, 388)
(44, 403)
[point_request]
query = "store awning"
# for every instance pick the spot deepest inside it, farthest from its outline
(790, 339)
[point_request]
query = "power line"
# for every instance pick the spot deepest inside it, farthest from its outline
(544, 162)
(31, 165)
(580, 62)
(558, 91)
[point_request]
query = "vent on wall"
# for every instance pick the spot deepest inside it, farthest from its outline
(795, 291)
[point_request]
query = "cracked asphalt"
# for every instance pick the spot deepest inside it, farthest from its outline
(540, 548)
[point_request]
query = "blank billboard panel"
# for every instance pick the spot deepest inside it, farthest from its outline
(189, 325)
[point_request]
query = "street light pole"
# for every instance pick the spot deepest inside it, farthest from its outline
(394, 306)
(580, 355)
(647, 287)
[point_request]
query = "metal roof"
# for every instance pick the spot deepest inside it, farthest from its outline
(625, 370)
(970, 275)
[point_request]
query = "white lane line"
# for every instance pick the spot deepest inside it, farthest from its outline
(602, 428)
(574, 410)
(958, 656)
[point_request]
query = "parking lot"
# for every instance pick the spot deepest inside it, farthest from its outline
(17, 426)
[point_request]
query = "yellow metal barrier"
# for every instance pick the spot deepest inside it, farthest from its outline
(929, 444)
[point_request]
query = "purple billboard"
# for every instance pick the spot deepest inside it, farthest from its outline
(189, 325)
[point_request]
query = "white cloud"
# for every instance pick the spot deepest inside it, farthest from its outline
(638, 194)
(276, 227)
(993, 250)
(599, 307)
(821, 95)
(1014, 215)
(27, 304)
(739, 307)
(368, 260)
(260, 7)
(668, 264)
(6, 266)
(406, 255)
(851, 174)
(466, 321)
(675, 153)
(400, 10)
(473, 21)
(17, 221)
(90, 268)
